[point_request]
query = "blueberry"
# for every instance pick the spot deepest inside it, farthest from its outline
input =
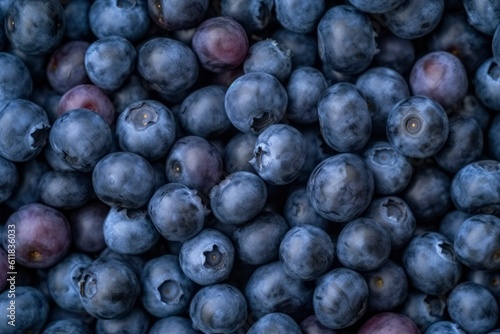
(377, 7)
(255, 101)
(417, 127)
(486, 82)
(108, 288)
(473, 307)
(29, 310)
(167, 66)
(177, 14)
(208, 257)
(475, 187)
(448, 226)
(76, 326)
(424, 309)
(431, 263)
(269, 56)
(298, 211)
(311, 325)
(494, 138)
(275, 321)
(132, 90)
(109, 61)
(9, 178)
(129, 231)
(269, 289)
(301, 17)
(123, 179)
(306, 252)
(63, 278)
(386, 322)
(238, 198)
(253, 15)
(483, 15)
(218, 308)
(344, 118)
(304, 47)
(347, 26)
(279, 154)
(147, 128)
(136, 321)
(414, 18)
(239, 151)
(177, 212)
(486, 278)
(14, 67)
(65, 190)
(476, 243)
(173, 324)
(26, 132)
(77, 20)
(395, 52)
(266, 230)
(341, 187)
(129, 19)
(444, 327)
(80, 138)
(47, 16)
(194, 162)
(340, 298)
(86, 226)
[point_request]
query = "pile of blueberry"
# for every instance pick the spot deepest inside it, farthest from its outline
(256, 166)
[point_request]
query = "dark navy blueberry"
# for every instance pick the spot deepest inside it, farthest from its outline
(305, 87)
(177, 212)
(340, 298)
(303, 47)
(463, 146)
(265, 230)
(75, 326)
(132, 90)
(455, 35)
(444, 327)
(475, 188)
(135, 262)
(208, 257)
(194, 162)
(495, 45)
(13, 67)
(414, 18)
(136, 321)
(177, 14)
(298, 211)
(391, 170)
(395, 52)
(275, 322)
(129, 231)
(77, 20)
(253, 15)
(36, 63)
(26, 129)
(451, 222)
(428, 194)
(4, 41)
(80, 138)
(86, 227)
(299, 16)
(486, 278)
(344, 117)
(128, 19)
(63, 278)
(109, 61)
(395, 216)
(238, 198)
(376, 7)
(363, 245)
(9, 178)
(269, 56)
(108, 288)
(238, 151)
(431, 263)
(165, 289)
(29, 310)
(147, 128)
(486, 82)
(279, 154)
(173, 324)
(202, 112)
(494, 138)
(476, 242)
(484, 15)
(382, 88)
(424, 309)
(341, 187)
(35, 26)
(385, 322)
(218, 308)
(254, 101)
(168, 66)
(65, 190)
(311, 325)
(124, 179)
(306, 252)
(417, 127)
(317, 150)
(269, 289)
(473, 307)
(347, 26)
(388, 287)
